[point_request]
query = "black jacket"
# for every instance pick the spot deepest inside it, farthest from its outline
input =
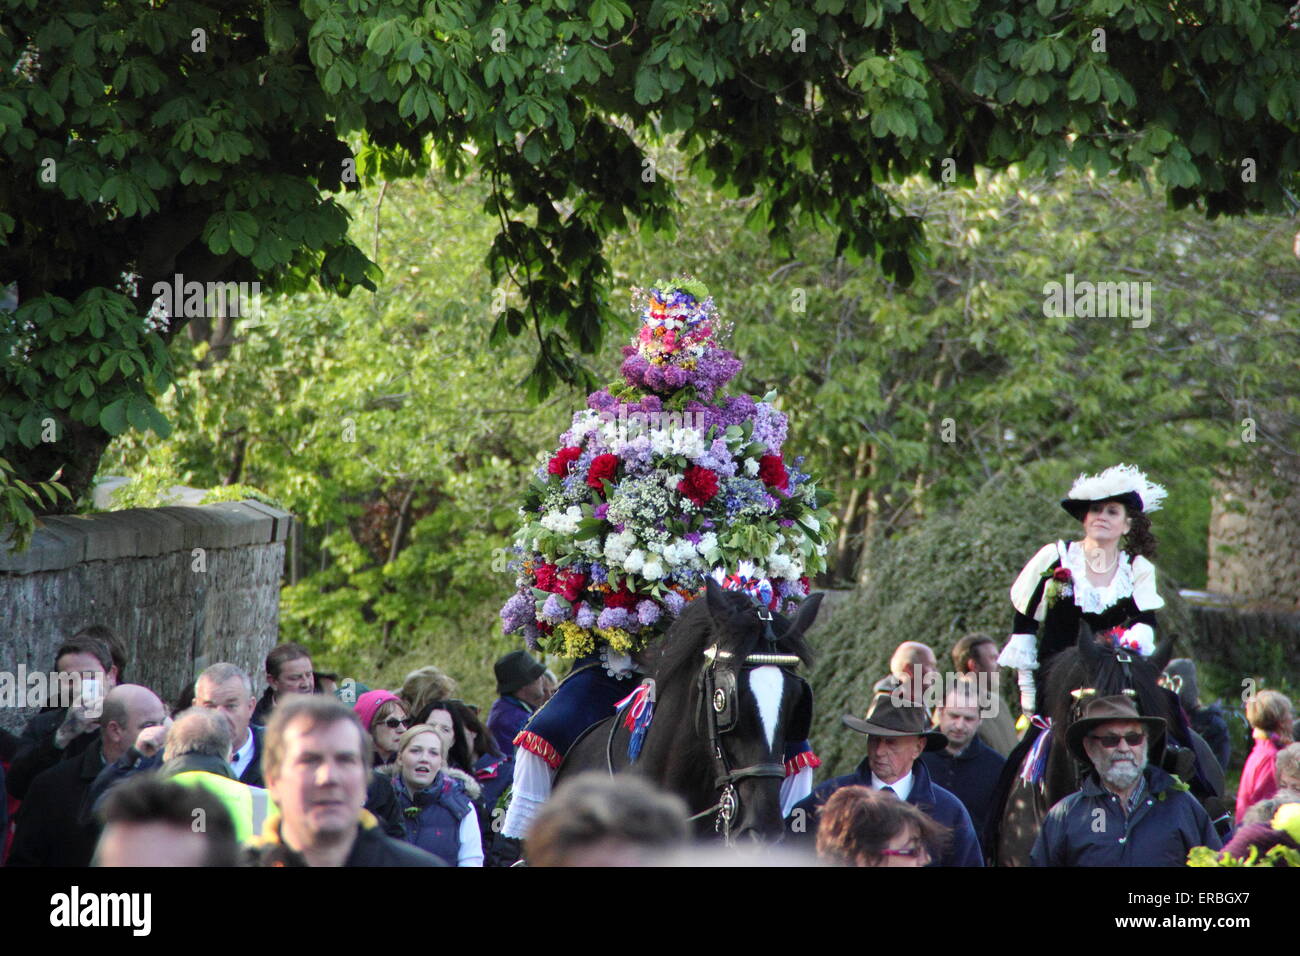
(371, 848)
(37, 753)
(54, 825)
(972, 776)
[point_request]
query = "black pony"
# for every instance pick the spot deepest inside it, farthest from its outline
(1093, 668)
(727, 701)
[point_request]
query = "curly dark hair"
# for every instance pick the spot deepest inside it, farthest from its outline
(1140, 538)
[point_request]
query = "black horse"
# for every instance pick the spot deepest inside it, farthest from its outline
(727, 701)
(1101, 669)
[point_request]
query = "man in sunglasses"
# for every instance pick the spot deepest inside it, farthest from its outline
(1129, 812)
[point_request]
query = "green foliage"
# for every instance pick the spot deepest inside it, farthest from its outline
(20, 503)
(140, 140)
(946, 578)
(1203, 856)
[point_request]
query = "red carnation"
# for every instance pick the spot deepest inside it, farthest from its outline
(771, 469)
(546, 577)
(602, 466)
(559, 465)
(621, 598)
(570, 584)
(700, 484)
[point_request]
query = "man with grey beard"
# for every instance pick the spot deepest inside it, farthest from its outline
(1129, 812)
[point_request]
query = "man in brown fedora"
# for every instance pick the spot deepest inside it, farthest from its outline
(897, 734)
(1129, 812)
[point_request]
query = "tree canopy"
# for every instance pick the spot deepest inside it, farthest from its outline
(139, 141)
(403, 443)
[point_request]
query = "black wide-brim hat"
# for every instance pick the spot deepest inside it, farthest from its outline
(1103, 710)
(1123, 483)
(886, 718)
(1079, 509)
(516, 669)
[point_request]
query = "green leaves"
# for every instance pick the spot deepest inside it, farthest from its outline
(227, 230)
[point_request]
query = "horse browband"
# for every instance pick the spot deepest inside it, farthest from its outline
(781, 660)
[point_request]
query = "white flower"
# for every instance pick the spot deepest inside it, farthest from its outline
(634, 561)
(660, 442)
(812, 523)
(652, 570)
(589, 547)
(617, 546)
(688, 442)
(584, 422)
(779, 565)
(562, 522)
(671, 481)
(751, 467)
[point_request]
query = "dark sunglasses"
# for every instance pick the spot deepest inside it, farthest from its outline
(392, 723)
(1111, 741)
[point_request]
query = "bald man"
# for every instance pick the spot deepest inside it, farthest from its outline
(55, 826)
(912, 668)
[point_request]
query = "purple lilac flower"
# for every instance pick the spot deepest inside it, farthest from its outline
(718, 458)
(742, 493)
(517, 612)
(714, 369)
(770, 428)
(602, 401)
(647, 612)
(555, 610)
(600, 510)
(739, 408)
(636, 455)
(786, 523)
(674, 377)
(530, 635)
(585, 617)
(612, 617)
(693, 537)
(598, 573)
(673, 603)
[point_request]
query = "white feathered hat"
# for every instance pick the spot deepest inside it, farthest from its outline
(1123, 483)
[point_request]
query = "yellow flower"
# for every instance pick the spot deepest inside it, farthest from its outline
(577, 640)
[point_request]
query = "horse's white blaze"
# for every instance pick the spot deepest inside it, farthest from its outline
(767, 685)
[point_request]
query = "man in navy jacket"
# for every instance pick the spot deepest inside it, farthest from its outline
(896, 738)
(1129, 813)
(968, 768)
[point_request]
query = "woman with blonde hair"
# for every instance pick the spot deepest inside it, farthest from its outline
(437, 813)
(1270, 715)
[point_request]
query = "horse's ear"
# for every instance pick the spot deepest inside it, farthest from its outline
(1087, 644)
(807, 613)
(1163, 654)
(716, 599)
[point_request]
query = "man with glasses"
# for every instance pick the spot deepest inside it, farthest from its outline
(1129, 812)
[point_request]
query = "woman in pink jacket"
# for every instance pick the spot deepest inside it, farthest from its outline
(1270, 717)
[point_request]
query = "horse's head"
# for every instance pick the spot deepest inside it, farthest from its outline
(751, 703)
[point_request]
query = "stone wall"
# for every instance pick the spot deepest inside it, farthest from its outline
(182, 587)
(1255, 545)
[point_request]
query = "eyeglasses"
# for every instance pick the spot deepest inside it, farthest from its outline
(1111, 741)
(392, 723)
(914, 850)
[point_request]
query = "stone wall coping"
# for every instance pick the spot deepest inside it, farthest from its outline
(62, 541)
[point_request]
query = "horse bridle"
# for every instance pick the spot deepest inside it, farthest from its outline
(718, 704)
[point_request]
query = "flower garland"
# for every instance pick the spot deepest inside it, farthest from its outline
(658, 481)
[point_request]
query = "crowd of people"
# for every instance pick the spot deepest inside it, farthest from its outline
(321, 772)
(314, 773)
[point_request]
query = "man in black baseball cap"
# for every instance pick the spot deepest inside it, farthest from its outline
(519, 684)
(897, 734)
